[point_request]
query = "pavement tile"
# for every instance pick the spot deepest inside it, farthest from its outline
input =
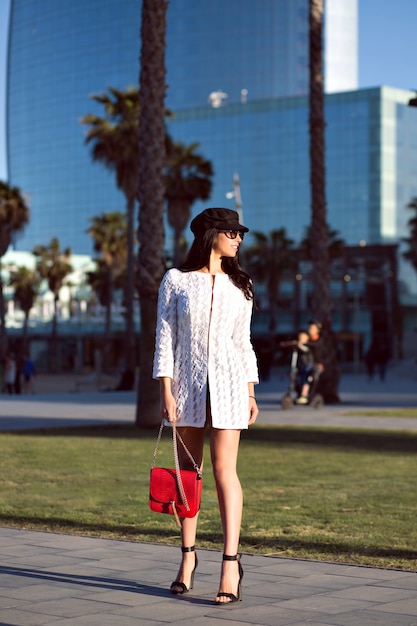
(116, 563)
(10, 601)
(23, 618)
(404, 582)
(167, 610)
(269, 615)
(279, 566)
(365, 618)
(48, 560)
(326, 604)
(336, 581)
(407, 606)
(71, 606)
(375, 594)
(365, 571)
(35, 591)
(281, 590)
(14, 551)
(142, 596)
(103, 619)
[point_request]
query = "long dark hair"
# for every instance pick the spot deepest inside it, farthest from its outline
(199, 256)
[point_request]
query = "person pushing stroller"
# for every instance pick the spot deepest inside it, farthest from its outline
(304, 367)
(304, 373)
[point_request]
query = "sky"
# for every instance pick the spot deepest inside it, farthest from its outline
(387, 52)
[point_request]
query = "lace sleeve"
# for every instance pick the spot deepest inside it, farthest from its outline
(166, 329)
(242, 340)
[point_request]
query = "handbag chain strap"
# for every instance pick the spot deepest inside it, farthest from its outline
(177, 469)
(175, 435)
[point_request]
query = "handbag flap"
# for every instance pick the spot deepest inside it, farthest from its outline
(163, 484)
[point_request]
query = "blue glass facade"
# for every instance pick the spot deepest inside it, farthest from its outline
(261, 47)
(371, 154)
(61, 52)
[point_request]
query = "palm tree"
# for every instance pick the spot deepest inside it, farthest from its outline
(322, 299)
(14, 215)
(53, 265)
(114, 141)
(267, 260)
(151, 198)
(109, 232)
(188, 177)
(335, 244)
(411, 241)
(26, 283)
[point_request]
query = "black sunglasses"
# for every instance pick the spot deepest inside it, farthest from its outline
(232, 234)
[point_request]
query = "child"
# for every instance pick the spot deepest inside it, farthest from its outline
(305, 367)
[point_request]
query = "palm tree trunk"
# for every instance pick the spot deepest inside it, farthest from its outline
(322, 299)
(107, 331)
(25, 333)
(151, 198)
(273, 295)
(130, 345)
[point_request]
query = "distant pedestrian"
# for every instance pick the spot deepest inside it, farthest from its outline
(377, 358)
(10, 374)
(28, 374)
(18, 378)
(305, 367)
(316, 344)
(382, 357)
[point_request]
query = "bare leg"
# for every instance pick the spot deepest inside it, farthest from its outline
(224, 447)
(194, 440)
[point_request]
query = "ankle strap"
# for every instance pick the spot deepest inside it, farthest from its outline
(235, 557)
(192, 549)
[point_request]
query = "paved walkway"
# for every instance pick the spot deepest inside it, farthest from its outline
(62, 580)
(57, 406)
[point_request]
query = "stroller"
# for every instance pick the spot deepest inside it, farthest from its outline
(314, 399)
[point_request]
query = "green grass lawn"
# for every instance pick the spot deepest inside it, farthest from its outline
(326, 494)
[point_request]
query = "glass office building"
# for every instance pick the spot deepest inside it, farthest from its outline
(371, 161)
(59, 54)
(225, 52)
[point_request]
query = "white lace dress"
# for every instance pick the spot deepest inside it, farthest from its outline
(203, 336)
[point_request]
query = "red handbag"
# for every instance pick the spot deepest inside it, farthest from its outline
(173, 490)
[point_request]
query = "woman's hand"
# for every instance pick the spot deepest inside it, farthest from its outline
(253, 410)
(168, 404)
(169, 410)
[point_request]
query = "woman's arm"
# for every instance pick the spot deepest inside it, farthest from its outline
(253, 407)
(168, 404)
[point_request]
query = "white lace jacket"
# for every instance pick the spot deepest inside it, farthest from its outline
(203, 335)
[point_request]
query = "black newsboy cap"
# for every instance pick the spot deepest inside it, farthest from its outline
(223, 219)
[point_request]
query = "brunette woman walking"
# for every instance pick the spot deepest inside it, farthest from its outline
(207, 369)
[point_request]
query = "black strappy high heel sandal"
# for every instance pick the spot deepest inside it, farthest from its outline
(231, 596)
(178, 587)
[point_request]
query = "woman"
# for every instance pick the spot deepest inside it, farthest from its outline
(207, 370)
